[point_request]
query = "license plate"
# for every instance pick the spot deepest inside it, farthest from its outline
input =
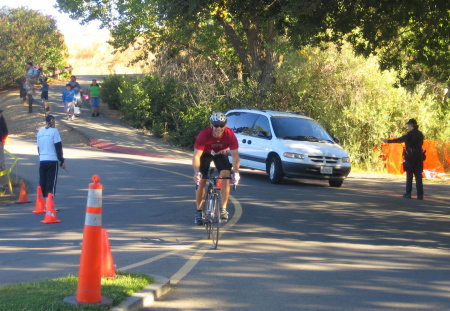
(326, 170)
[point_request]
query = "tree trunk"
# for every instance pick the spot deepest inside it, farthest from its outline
(256, 53)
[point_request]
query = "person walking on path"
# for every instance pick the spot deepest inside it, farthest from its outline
(68, 99)
(94, 95)
(3, 135)
(44, 95)
(31, 78)
(77, 90)
(413, 157)
(50, 152)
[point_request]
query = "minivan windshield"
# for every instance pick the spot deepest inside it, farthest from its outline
(299, 129)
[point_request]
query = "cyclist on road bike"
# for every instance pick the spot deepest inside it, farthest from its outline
(212, 144)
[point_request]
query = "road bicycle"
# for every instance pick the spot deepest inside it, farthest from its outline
(211, 206)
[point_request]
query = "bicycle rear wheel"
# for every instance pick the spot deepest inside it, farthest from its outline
(215, 220)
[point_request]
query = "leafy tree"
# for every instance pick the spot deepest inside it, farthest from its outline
(28, 36)
(411, 36)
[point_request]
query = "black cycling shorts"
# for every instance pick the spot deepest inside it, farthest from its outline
(220, 161)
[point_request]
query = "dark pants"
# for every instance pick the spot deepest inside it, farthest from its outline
(414, 167)
(220, 161)
(419, 185)
(48, 175)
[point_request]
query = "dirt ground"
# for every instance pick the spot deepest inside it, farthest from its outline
(25, 125)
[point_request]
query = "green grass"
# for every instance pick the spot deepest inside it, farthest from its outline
(48, 295)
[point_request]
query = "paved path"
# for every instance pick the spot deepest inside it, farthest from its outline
(113, 135)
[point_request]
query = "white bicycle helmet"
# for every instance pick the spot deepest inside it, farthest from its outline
(218, 118)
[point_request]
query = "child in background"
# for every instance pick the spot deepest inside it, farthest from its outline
(44, 95)
(94, 94)
(68, 98)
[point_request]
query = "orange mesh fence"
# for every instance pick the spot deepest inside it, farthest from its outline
(436, 165)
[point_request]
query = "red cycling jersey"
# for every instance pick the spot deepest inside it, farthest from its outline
(207, 142)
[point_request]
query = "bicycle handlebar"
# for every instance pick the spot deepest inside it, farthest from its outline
(216, 177)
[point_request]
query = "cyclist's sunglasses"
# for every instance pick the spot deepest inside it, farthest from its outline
(221, 126)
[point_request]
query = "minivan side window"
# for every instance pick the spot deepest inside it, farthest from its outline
(244, 123)
(232, 119)
(262, 128)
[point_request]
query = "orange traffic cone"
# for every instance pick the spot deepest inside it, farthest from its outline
(50, 214)
(89, 288)
(107, 262)
(23, 198)
(40, 203)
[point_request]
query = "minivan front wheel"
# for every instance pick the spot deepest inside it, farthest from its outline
(275, 170)
(335, 183)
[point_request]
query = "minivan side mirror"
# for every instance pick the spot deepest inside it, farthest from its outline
(336, 140)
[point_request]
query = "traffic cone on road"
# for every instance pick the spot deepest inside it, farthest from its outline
(50, 214)
(23, 198)
(40, 203)
(89, 277)
(107, 260)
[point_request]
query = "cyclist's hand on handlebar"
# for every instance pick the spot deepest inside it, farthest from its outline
(198, 177)
(236, 178)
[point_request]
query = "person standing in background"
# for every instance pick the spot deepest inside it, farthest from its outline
(44, 95)
(94, 95)
(31, 78)
(77, 90)
(413, 157)
(50, 152)
(3, 136)
(68, 99)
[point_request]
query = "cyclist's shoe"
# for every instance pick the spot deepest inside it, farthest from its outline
(198, 218)
(223, 214)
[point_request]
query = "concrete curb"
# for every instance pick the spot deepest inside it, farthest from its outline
(146, 296)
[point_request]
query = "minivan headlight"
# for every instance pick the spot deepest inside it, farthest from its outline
(345, 160)
(294, 155)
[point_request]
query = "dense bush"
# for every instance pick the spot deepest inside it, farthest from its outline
(348, 95)
(158, 104)
(355, 101)
(111, 88)
(28, 36)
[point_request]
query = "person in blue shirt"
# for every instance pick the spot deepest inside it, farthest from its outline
(68, 99)
(44, 95)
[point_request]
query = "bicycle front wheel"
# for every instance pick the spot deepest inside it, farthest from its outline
(207, 205)
(215, 220)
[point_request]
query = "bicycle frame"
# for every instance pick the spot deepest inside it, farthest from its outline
(211, 207)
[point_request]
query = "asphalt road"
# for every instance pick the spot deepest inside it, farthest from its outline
(297, 246)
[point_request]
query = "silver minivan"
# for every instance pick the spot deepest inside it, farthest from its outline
(288, 145)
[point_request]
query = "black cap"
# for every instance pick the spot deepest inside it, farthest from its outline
(49, 118)
(412, 121)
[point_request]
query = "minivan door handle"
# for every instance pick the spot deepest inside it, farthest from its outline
(244, 141)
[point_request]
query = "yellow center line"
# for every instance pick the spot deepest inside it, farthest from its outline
(198, 255)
